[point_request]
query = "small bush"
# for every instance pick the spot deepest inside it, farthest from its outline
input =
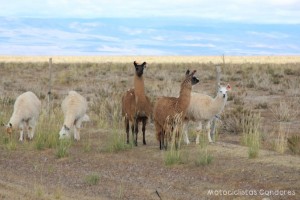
(263, 105)
(172, 157)
(204, 158)
(285, 112)
(63, 147)
(92, 179)
(232, 120)
(116, 142)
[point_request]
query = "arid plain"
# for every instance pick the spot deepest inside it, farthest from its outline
(102, 166)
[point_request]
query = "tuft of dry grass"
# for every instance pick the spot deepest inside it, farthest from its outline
(251, 135)
(280, 141)
(285, 111)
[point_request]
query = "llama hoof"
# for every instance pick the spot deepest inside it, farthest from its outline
(144, 142)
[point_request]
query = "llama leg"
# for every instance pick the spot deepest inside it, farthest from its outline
(136, 128)
(185, 130)
(166, 140)
(198, 129)
(77, 127)
(21, 132)
(208, 132)
(144, 130)
(127, 129)
(21, 135)
(31, 128)
(160, 140)
(76, 134)
(132, 132)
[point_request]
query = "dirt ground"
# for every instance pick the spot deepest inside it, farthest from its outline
(140, 172)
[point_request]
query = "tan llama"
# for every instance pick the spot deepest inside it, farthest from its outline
(169, 108)
(136, 106)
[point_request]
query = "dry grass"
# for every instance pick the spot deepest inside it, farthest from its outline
(155, 59)
(139, 170)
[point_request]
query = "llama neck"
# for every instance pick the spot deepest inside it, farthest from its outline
(69, 120)
(139, 87)
(184, 98)
(15, 120)
(219, 103)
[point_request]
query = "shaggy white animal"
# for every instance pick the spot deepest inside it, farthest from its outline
(203, 109)
(74, 107)
(27, 108)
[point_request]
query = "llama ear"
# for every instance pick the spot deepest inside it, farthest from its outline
(192, 74)
(66, 128)
(228, 87)
(187, 72)
(144, 64)
(135, 64)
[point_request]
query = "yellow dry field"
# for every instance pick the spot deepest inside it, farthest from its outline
(155, 59)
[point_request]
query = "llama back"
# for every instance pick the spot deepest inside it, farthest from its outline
(203, 106)
(164, 107)
(27, 106)
(74, 105)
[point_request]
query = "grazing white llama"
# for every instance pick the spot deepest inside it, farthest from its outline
(27, 108)
(74, 107)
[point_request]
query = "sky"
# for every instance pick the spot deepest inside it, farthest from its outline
(156, 27)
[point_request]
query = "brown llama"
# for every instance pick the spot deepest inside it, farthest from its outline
(170, 110)
(136, 106)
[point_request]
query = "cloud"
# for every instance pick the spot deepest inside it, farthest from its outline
(119, 50)
(270, 35)
(254, 11)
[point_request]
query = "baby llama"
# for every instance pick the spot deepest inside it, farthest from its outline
(74, 107)
(136, 106)
(167, 109)
(27, 108)
(203, 109)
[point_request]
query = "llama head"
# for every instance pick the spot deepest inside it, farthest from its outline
(223, 90)
(190, 79)
(64, 132)
(139, 68)
(9, 128)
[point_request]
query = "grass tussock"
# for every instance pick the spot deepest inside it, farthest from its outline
(280, 140)
(232, 120)
(116, 141)
(251, 135)
(46, 133)
(285, 111)
(62, 149)
(174, 155)
(92, 179)
(203, 155)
